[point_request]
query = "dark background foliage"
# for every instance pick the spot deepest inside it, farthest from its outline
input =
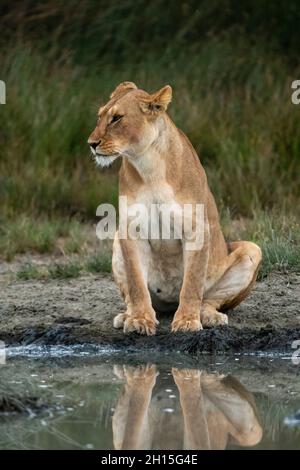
(230, 63)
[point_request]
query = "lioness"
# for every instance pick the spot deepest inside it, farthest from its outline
(160, 165)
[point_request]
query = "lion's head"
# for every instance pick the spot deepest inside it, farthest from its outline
(129, 123)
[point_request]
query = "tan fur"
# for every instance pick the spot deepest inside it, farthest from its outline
(213, 411)
(159, 165)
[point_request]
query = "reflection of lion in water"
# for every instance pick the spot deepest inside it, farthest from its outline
(213, 411)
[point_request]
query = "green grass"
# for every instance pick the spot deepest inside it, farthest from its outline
(64, 270)
(29, 271)
(98, 263)
(245, 130)
(277, 235)
(231, 76)
(53, 235)
(68, 268)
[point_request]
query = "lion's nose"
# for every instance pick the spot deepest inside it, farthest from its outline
(94, 144)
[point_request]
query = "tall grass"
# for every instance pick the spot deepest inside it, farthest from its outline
(278, 236)
(247, 133)
(45, 165)
(231, 82)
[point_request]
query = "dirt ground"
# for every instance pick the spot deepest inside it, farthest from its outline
(81, 310)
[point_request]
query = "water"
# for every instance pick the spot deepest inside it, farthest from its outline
(89, 398)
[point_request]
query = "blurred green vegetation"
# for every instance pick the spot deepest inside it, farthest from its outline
(70, 267)
(230, 64)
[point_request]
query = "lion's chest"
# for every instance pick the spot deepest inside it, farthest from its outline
(156, 214)
(166, 258)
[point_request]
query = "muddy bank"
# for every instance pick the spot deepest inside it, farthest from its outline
(81, 311)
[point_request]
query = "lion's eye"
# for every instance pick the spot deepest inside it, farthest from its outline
(116, 118)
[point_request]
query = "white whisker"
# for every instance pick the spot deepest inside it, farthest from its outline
(105, 161)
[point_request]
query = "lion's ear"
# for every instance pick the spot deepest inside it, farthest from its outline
(158, 101)
(122, 88)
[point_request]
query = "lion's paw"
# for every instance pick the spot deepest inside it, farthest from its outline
(143, 324)
(186, 374)
(143, 372)
(119, 371)
(119, 320)
(211, 317)
(186, 324)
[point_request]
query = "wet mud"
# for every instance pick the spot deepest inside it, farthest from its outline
(81, 311)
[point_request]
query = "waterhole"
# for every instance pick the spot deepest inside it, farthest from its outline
(89, 398)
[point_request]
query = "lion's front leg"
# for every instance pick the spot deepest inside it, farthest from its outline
(130, 419)
(187, 316)
(196, 432)
(130, 267)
